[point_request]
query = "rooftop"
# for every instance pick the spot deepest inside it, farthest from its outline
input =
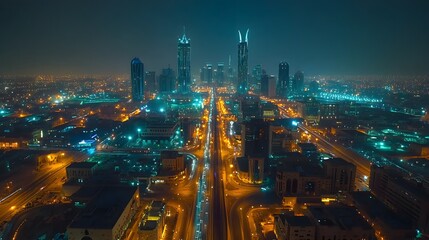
(104, 210)
(375, 209)
(82, 165)
(148, 225)
(343, 217)
(302, 221)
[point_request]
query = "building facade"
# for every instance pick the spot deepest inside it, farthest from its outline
(137, 80)
(284, 84)
(404, 196)
(294, 227)
(242, 69)
(184, 64)
(167, 81)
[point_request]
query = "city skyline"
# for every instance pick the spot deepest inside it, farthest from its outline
(280, 120)
(319, 38)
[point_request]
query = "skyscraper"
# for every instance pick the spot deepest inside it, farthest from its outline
(230, 73)
(166, 80)
(268, 85)
(284, 85)
(298, 83)
(208, 73)
(184, 64)
(137, 80)
(220, 74)
(242, 63)
(256, 76)
(151, 84)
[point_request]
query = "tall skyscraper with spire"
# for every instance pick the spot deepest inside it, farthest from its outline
(284, 85)
(184, 63)
(137, 80)
(242, 64)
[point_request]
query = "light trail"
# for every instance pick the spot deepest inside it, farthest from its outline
(10, 195)
(202, 205)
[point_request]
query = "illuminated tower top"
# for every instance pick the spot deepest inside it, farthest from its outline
(242, 69)
(184, 63)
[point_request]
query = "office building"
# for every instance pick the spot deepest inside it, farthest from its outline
(298, 83)
(167, 80)
(255, 138)
(107, 215)
(256, 77)
(297, 177)
(242, 64)
(268, 85)
(184, 64)
(406, 197)
(387, 224)
(208, 73)
(341, 174)
(300, 178)
(151, 85)
(137, 80)
(249, 108)
(230, 73)
(251, 169)
(284, 85)
(220, 74)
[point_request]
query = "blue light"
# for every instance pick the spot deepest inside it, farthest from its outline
(294, 123)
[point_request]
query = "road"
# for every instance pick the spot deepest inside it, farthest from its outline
(362, 164)
(42, 184)
(218, 212)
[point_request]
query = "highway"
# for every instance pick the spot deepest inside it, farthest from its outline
(362, 164)
(218, 212)
(36, 188)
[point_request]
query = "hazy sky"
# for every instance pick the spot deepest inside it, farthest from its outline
(318, 37)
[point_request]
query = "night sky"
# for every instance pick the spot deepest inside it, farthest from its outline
(318, 37)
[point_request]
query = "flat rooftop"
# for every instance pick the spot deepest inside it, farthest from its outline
(343, 217)
(375, 209)
(104, 210)
(82, 165)
(297, 221)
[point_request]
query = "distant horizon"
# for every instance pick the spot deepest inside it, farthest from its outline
(319, 38)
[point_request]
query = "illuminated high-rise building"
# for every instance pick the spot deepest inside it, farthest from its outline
(256, 76)
(220, 74)
(284, 85)
(184, 64)
(137, 80)
(151, 83)
(298, 83)
(208, 73)
(242, 63)
(166, 81)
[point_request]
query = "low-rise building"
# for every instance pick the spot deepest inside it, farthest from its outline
(339, 222)
(298, 178)
(172, 160)
(387, 224)
(107, 215)
(80, 171)
(341, 174)
(288, 227)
